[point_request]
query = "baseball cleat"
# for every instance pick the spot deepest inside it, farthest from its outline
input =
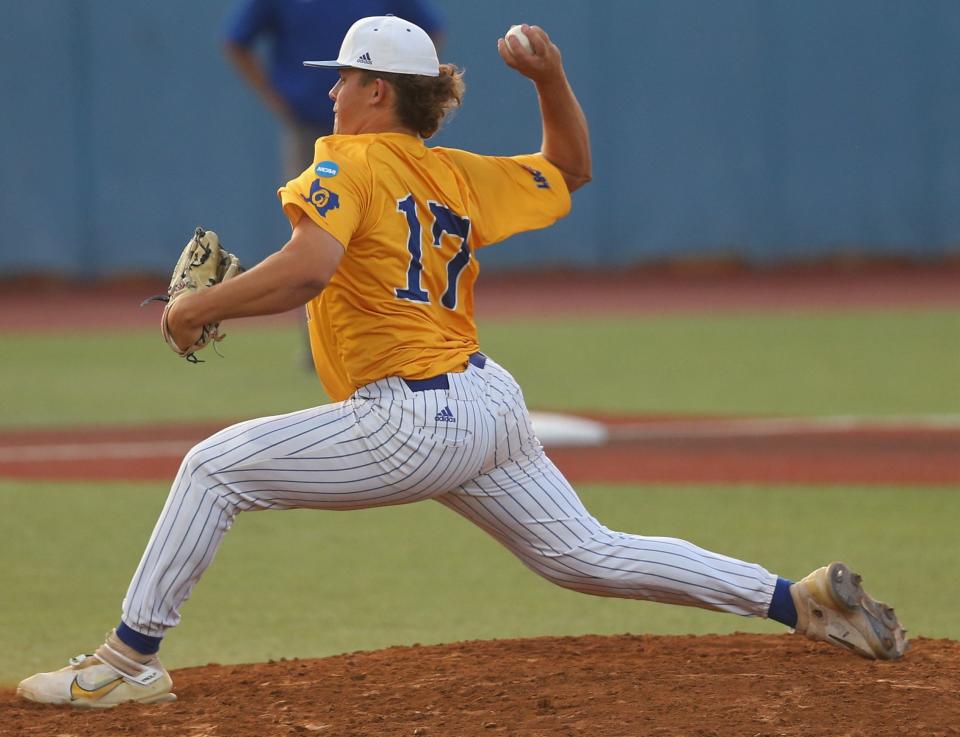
(833, 607)
(89, 683)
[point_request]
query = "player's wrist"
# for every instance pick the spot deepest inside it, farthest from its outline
(552, 81)
(183, 320)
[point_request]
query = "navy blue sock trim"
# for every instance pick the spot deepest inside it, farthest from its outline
(141, 643)
(782, 608)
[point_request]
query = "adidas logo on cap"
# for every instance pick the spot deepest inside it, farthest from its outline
(364, 58)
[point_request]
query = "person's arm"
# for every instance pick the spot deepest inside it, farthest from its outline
(250, 68)
(289, 278)
(566, 139)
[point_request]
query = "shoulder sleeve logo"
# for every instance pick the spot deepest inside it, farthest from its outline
(322, 199)
(538, 177)
(327, 169)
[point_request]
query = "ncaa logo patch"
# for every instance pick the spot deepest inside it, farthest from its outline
(326, 169)
(322, 199)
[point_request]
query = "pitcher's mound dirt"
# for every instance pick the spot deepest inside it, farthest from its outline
(598, 686)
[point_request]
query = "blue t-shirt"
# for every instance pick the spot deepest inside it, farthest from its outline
(298, 30)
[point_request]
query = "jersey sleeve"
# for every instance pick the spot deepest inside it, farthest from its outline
(333, 192)
(512, 194)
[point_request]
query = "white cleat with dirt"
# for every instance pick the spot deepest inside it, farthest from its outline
(90, 683)
(833, 607)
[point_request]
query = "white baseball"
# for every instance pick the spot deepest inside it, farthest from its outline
(517, 33)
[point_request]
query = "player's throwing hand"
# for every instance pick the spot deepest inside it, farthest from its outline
(540, 63)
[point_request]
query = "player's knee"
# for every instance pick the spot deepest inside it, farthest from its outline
(199, 471)
(586, 567)
(581, 576)
(193, 462)
(560, 570)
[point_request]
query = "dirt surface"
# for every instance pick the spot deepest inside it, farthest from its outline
(856, 456)
(594, 686)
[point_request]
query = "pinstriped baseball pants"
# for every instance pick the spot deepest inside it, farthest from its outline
(470, 447)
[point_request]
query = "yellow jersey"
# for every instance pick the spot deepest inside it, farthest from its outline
(411, 219)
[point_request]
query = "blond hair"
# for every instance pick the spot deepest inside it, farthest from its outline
(424, 102)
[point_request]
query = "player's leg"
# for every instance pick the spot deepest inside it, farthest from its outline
(525, 502)
(531, 509)
(386, 445)
(382, 447)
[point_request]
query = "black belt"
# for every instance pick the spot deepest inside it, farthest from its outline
(442, 382)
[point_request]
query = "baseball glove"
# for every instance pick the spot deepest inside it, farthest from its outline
(202, 264)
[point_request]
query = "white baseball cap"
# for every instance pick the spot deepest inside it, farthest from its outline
(385, 43)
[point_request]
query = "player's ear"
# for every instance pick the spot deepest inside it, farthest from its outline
(379, 90)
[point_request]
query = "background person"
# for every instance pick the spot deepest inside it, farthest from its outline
(294, 30)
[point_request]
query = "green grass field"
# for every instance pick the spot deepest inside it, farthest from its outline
(312, 583)
(872, 363)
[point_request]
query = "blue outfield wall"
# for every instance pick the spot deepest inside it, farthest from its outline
(774, 130)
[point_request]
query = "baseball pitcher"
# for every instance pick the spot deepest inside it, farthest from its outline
(386, 239)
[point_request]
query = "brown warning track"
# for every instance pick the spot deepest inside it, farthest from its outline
(621, 686)
(862, 456)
